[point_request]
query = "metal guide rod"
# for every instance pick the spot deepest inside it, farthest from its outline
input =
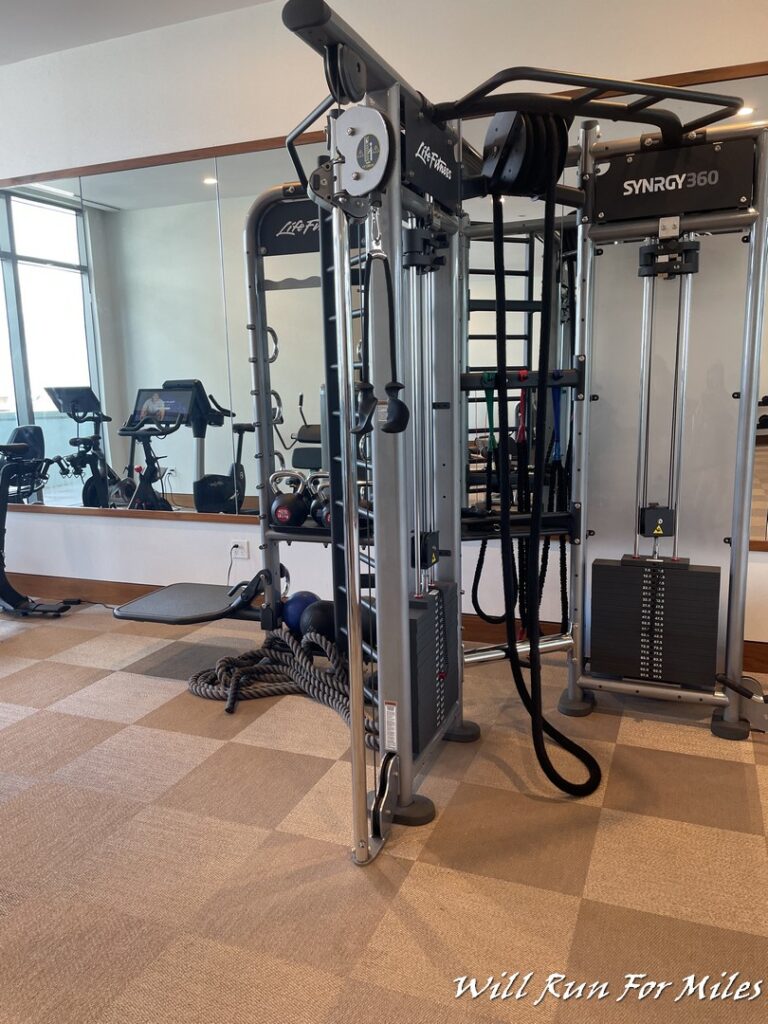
(646, 362)
(654, 691)
(603, 149)
(428, 421)
(585, 271)
(345, 356)
(417, 389)
(683, 343)
(745, 430)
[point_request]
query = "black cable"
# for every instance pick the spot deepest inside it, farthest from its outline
(531, 701)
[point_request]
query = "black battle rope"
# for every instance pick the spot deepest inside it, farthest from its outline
(492, 454)
(283, 665)
(531, 701)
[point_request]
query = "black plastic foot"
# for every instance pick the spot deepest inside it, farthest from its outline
(420, 812)
(463, 732)
(729, 730)
(575, 707)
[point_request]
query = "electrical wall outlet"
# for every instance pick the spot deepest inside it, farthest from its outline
(240, 549)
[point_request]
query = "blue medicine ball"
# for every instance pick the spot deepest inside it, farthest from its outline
(294, 607)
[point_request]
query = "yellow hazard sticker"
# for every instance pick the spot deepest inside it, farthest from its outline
(658, 532)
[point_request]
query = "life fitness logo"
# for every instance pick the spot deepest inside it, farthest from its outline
(670, 182)
(433, 160)
(299, 227)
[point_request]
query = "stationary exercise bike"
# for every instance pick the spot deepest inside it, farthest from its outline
(104, 488)
(213, 492)
(23, 474)
(157, 413)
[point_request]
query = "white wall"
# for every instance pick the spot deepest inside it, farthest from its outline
(242, 76)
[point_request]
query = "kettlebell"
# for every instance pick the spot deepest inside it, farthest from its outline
(320, 509)
(288, 508)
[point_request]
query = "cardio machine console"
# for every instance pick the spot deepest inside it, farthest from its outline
(163, 406)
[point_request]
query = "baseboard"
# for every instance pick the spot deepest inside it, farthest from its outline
(475, 630)
(61, 588)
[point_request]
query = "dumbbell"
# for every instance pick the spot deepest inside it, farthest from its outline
(288, 508)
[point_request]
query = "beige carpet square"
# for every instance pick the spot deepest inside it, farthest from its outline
(43, 742)
(444, 925)
(11, 785)
(247, 784)
(303, 900)
(299, 725)
(201, 982)
(680, 870)
(64, 960)
(325, 812)
(164, 864)
(45, 682)
(357, 998)
(138, 763)
(501, 834)
(682, 733)
(120, 697)
(112, 650)
(10, 664)
(12, 713)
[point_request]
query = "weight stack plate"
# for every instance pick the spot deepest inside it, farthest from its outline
(655, 623)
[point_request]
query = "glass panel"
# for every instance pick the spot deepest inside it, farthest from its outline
(44, 231)
(7, 400)
(295, 315)
(153, 251)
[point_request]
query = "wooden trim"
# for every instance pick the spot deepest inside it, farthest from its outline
(705, 76)
(755, 656)
(758, 545)
(91, 591)
(123, 513)
(159, 159)
(475, 630)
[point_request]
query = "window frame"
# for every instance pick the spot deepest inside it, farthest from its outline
(10, 282)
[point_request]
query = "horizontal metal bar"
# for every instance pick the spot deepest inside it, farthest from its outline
(511, 306)
(437, 218)
(291, 284)
(482, 231)
(630, 230)
(498, 652)
(620, 147)
(37, 261)
(480, 381)
(653, 691)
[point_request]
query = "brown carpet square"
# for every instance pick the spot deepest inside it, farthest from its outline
(48, 828)
(247, 784)
(201, 982)
(611, 942)
(45, 682)
(303, 900)
(200, 717)
(684, 787)
(43, 642)
(64, 960)
(164, 864)
(502, 834)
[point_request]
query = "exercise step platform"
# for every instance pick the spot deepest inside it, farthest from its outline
(188, 603)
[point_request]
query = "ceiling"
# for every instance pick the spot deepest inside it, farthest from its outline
(36, 27)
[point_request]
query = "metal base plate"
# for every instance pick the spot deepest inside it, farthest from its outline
(729, 730)
(575, 707)
(420, 812)
(463, 732)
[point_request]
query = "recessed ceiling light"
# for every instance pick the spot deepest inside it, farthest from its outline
(210, 181)
(745, 111)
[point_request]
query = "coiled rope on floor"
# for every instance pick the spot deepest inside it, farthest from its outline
(283, 665)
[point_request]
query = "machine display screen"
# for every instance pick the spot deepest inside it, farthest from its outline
(163, 405)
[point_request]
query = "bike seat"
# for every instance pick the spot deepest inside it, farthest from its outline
(243, 428)
(309, 433)
(86, 443)
(14, 450)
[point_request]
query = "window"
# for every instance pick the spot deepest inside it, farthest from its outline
(45, 326)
